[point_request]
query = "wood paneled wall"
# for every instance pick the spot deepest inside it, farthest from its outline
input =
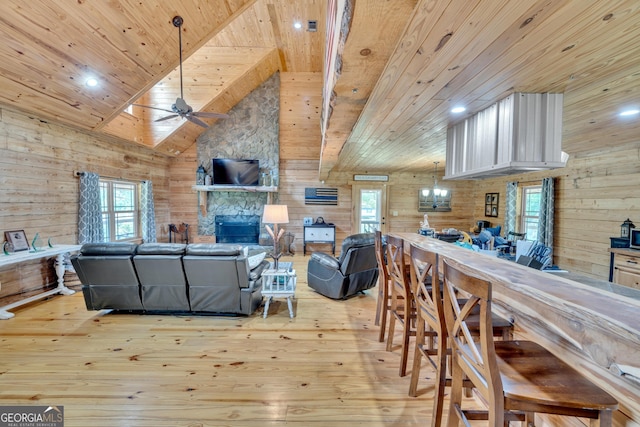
(403, 200)
(39, 192)
(594, 193)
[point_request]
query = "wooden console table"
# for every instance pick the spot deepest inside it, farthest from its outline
(324, 234)
(18, 257)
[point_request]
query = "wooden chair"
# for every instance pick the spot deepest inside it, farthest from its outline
(384, 290)
(403, 307)
(432, 343)
(515, 378)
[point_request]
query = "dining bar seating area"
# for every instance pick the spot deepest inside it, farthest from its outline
(432, 340)
(516, 378)
(448, 310)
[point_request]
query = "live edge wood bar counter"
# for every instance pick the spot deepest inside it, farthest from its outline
(593, 330)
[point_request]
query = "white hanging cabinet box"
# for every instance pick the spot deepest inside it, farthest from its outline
(521, 133)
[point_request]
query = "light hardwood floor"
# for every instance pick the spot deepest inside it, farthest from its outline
(324, 367)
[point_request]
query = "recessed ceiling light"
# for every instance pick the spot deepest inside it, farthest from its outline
(92, 82)
(457, 110)
(630, 112)
(297, 25)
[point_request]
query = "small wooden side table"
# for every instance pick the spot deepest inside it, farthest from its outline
(280, 283)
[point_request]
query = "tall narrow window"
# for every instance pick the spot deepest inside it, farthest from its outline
(530, 211)
(120, 210)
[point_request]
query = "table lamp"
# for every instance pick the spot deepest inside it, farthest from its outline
(275, 214)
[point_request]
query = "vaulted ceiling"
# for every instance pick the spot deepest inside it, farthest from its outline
(402, 67)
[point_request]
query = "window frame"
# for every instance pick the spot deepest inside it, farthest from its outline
(527, 220)
(110, 214)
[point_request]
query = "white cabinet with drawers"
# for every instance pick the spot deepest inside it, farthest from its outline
(320, 234)
(626, 267)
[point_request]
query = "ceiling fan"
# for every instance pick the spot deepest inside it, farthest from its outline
(181, 108)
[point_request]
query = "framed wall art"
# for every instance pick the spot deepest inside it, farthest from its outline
(491, 204)
(17, 239)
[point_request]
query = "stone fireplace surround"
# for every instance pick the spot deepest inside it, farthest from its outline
(251, 132)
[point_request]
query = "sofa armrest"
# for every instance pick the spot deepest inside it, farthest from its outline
(325, 260)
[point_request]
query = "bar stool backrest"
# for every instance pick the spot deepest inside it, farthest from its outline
(474, 354)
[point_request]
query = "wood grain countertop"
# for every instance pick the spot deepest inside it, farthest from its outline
(592, 329)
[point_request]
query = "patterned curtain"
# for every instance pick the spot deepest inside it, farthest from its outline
(147, 213)
(89, 212)
(545, 223)
(510, 207)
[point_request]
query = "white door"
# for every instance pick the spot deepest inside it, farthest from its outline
(370, 208)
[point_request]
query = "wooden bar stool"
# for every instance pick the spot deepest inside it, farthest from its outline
(515, 378)
(432, 341)
(403, 307)
(384, 287)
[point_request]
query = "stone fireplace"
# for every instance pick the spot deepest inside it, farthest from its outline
(251, 132)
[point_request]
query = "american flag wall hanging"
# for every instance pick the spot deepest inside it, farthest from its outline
(321, 196)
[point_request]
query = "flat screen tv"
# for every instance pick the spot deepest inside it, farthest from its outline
(236, 172)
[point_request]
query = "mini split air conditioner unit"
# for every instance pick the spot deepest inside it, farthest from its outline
(520, 133)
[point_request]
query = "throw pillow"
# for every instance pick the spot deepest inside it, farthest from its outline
(255, 260)
(495, 231)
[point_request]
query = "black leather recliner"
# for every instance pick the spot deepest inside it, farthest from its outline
(356, 270)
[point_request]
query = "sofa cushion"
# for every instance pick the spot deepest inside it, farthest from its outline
(161, 249)
(214, 249)
(108, 248)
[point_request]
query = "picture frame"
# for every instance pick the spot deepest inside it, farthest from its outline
(491, 204)
(17, 239)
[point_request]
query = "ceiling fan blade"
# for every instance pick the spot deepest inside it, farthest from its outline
(196, 121)
(210, 115)
(152, 108)
(167, 118)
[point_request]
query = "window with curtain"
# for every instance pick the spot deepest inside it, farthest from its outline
(119, 201)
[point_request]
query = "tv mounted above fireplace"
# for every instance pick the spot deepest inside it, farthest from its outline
(242, 172)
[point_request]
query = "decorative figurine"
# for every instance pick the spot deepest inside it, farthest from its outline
(425, 224)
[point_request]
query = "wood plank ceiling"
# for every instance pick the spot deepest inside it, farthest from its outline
(404, 64)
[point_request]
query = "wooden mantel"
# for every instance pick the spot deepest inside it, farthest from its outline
(204, 189)
(594, 330)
